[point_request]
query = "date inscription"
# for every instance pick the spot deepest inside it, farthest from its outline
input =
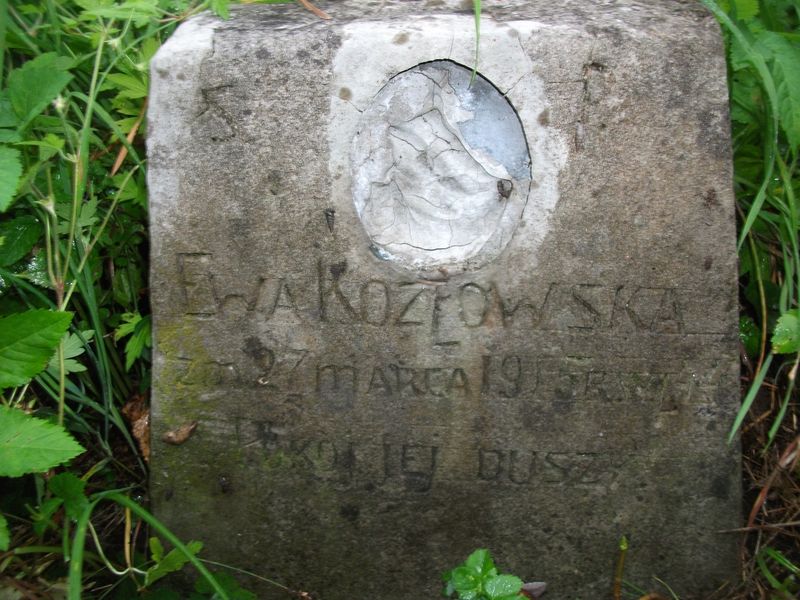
(339, 386)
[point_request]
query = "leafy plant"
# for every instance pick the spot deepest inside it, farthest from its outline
(73, 87)
(30, 445)
(477, 579)
(786, 339)
(27, 444)
(764, 62)
(27, 341)
(166, 563)
(138, 331)
(763, 51)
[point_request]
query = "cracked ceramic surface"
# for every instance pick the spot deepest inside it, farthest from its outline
(440, 168)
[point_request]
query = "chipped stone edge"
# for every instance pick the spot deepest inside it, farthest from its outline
(175, 76)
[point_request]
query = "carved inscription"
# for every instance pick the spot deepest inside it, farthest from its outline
(195, 276)
(525, 467)
(274, 369)
(417, 467)
(335, 296)
(414, 465)
(504, 376)
(290, 378)
(337, 386)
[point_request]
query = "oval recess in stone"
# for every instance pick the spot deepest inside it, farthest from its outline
(440, 169)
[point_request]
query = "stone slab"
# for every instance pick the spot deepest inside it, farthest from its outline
(376, 397)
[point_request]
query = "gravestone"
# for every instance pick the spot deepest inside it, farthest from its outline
(416, 311)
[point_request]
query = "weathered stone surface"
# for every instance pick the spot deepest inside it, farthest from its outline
(376, 396)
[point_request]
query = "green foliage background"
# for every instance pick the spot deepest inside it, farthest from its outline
(74, 319)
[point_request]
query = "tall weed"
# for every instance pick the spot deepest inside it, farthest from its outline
(763, 51)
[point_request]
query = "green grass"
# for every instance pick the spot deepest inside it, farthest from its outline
(764, 72)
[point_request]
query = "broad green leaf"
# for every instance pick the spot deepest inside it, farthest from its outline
(73, 347)
(148, 48)
(133, 188)
(36, 271)
(480, 562)
(786, 338)
(27, 341)
(17, 237)
(502, 585)
(10, 171)
(48, 147)
(139, 329)
(125, 125)
(87, 217)
(156, 549)
(746, 9)
(738, 58)
(787, 79)
(8, 118)
(74, 343)
(220, 8)
(465, 580)
(785, 58)
(173, 561)
(70, 489)
(128, 85)
(9, 136)
(745, 98)
(5, 536)
(37, 83)
(140, 12)
(32, 9)
(31, 445)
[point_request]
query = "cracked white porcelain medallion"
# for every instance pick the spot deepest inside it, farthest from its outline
(440, 169)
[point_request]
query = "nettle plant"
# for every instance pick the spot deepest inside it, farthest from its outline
(477, 579)
(74, 323)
